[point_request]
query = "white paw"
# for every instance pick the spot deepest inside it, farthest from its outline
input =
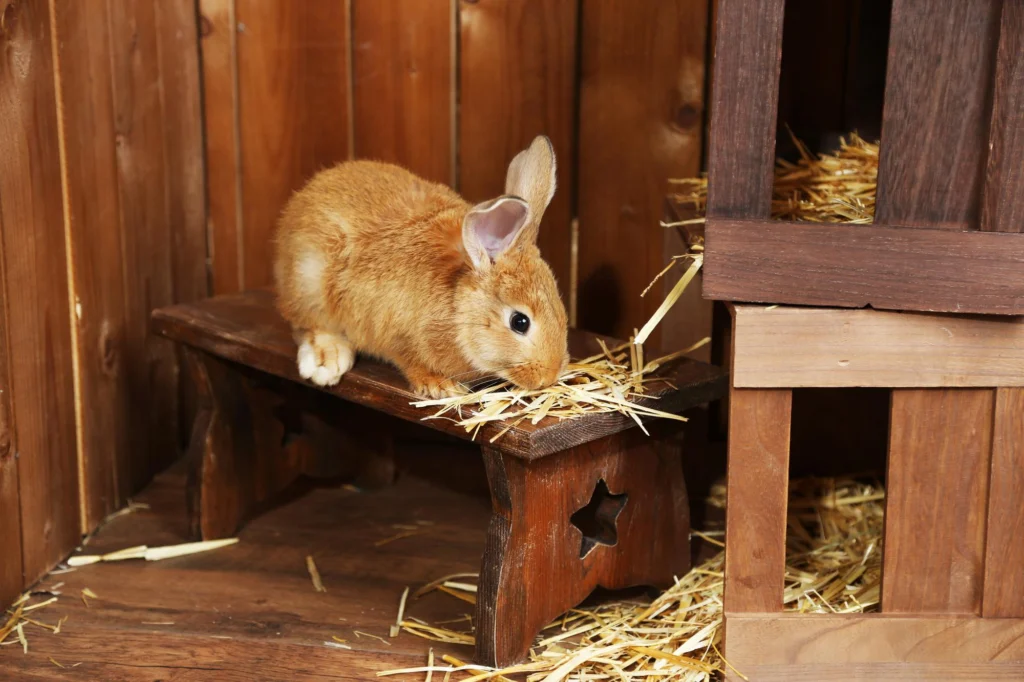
(324, 359)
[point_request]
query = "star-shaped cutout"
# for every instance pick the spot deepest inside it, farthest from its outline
(597, 520)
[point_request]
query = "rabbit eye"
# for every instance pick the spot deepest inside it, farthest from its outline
(519, 323)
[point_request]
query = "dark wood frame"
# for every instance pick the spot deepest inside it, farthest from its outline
(953, 165)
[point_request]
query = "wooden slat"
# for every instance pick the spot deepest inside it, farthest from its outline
(223, 160)
(402, 84)
(748, 54)
(151, 364)
(517, 69)
(183, 128)
(935, 117)
(1003, 209)
(91, 184)
(293, 69)
(10, 517)
(829, 348)
(35, 268)
(755, 530)
(186, 188)
(861, 265)
(641, 120)
(1004, 551)
(10, 530)
(940, 445)
(848, 648)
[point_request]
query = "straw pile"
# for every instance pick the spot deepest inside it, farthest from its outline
(833, 565)
(832, 188)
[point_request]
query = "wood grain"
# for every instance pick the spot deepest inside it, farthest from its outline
(820, 347)
(183, 141)
(143, 176)
(223, 153)
(11, 582)
(1004, 552)
(293, 70)
(940, 446)
(741, 155)
(10, 517)
(38, 325)
(758, 483)
(1003, 208)
(248, 612)
(859, 265)
(936, 113)
(246, 329)
(91, 184)
(863, 648)
(532, 570)
(517, 70)
(402, 81)
(186, 186)
(640, 123)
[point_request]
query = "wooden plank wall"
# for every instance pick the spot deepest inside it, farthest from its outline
(101, 218)
(453, 89)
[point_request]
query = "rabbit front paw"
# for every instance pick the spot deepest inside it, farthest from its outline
(324, 357)
(428, 385)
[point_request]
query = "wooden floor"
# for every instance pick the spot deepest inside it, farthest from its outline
(249, 611)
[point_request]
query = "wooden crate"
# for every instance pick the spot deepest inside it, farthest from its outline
(950, 206)
(948, 237)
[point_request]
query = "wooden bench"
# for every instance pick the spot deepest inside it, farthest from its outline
(537, 562)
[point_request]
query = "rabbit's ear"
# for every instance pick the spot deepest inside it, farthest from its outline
(491, 228)
(531, 175)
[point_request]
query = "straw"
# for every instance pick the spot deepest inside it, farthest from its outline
(830, 188)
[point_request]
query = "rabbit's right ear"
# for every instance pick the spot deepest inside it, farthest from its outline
(531, 175)
(491, 228)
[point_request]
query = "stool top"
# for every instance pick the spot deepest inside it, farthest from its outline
(247, 329)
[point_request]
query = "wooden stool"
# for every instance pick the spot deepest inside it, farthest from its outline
(576, 504)
(952, 604)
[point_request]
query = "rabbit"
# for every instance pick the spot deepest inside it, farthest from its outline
(371, 259)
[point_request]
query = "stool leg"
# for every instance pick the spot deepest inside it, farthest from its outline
(236, 457)
(612, 513)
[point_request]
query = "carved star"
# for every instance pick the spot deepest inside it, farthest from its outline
(597, 520)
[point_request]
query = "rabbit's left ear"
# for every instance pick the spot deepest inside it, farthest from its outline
(491, 228)
(531, 175)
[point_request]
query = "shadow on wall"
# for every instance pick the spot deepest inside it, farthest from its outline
(600, 301)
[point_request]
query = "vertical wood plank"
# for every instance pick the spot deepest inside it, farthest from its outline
(1004, 551)
(748, 54)
(641, 113)
(517, 80)
(38, 325)
(402, 84)
(10, 517)
(758, 488)
(150, 363)
(223, 156)
(178, 39)
(940, 445)
(94, 239)
(1003, 209)
(293, 98)
(183, 142)
(935, 118)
